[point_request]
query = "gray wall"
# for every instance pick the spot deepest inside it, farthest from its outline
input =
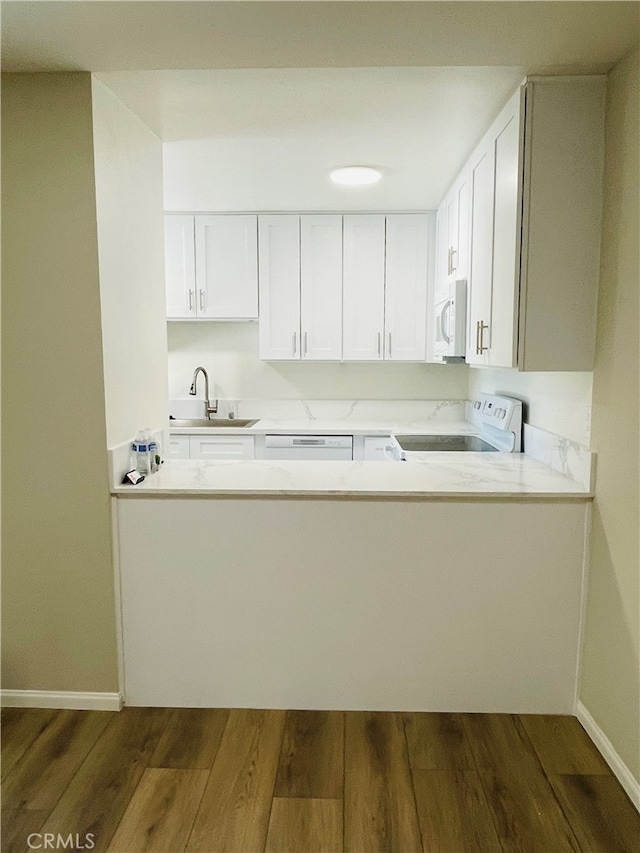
(58, 616)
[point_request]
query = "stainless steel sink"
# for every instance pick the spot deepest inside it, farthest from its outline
(444, 442)
(214, 423)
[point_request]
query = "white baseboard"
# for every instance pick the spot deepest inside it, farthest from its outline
(620, 769)
(64, 699)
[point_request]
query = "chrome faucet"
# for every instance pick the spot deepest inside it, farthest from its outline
(208, 408)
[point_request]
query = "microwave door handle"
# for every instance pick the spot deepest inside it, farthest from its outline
(444, 322)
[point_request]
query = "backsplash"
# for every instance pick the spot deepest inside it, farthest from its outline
(567, 457)
(349, 411)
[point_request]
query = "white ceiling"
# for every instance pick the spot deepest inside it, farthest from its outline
(275, 93)
(405, 103)
(267, 138)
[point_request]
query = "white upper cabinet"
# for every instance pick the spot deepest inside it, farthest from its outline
(536, 206)
(405, 311)
(386, 278)
(442, 255)
(364, 273)
(458, 229)
(211, 267)
(321, 287)
(495, 189)
(506, 239)
(562, 223)
(279, 277)
(180, 266)
(479, 313)
(453, 230)
(300, 274)
(227, 266)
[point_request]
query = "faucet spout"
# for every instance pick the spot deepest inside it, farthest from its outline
(208, 408)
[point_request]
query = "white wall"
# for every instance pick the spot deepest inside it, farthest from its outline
(128, 172)
(611, 672)
(58, 609)
(557, 402)
(229, 352)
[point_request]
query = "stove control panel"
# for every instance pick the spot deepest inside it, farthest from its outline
(500, 417)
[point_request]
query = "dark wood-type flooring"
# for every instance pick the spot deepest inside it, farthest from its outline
(218, 780)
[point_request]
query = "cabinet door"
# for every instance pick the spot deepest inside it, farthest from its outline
(460, 255)
(321, 287)
(221, 446)
(279, 277)
(481, 258)
(562, 227)
(227, 267)
(452, 232)
(179, 263)
(178, 447)
(506, 237)
(442, 255)
(363, 288)
(407, 256)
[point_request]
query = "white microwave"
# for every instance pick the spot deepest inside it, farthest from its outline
(451, 322)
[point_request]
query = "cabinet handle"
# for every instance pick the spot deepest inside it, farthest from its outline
(305, 343)
(191, 301)
(202, 300)
(480, 347)
(483, 348)
(379, 343)
(454, 267)
(389, 344)
(295, 341)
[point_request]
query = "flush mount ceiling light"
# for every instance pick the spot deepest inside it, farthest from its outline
(355, 176)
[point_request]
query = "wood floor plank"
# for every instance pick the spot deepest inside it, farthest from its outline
(562, 745)
(437, 742)
(101, 789)
(311, 755)
(235, 807)
(453, 812)
(48, 765)
(20, 727)
(161, 812)
(305, 824)
(191, 738)
(379, 811)
(526, 813)
(601, 815)
(17, 826)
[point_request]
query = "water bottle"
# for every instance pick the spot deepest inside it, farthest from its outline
(140, 453)
(154, 453)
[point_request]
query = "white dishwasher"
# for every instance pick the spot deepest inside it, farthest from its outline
(318, 447)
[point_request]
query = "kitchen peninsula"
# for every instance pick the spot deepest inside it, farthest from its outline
(451, 581)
